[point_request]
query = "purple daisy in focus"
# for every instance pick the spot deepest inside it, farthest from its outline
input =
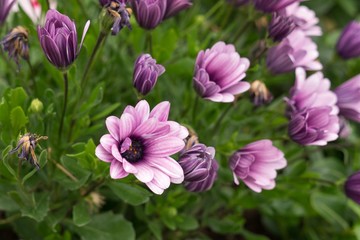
(218, 73)
(200, 167)
(352, 187)
(256, 165)
(348, 95)
(141, 142)
(296, 50)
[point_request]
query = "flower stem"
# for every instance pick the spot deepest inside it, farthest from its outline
(99, 42)
(220, 119)
(195, 109)
(48, 4)
(149, 42)
(66, 87)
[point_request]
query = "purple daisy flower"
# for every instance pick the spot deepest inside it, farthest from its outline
(352, 187)
(149, 13)
(272, 5)
(348, 45)
(200, 167)
(218, 73)
(280, 27)
(173, 7)
(141, 142)
(256, 165)
(58, 39)
(348, 95)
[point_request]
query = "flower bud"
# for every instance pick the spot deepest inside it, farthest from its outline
(36, 106)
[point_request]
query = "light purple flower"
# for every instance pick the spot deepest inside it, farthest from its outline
(256, 165)
(218, 73)
(272, 5)
(280, 27)
(348, 45)
(146, 73)
(296, 50)
(348, 95)
(58, 39)
(173, 7)
(149, 13)
(5, 6)
(200, 167)
(345, 129)
(352, 187)
(141, 142)
(304, 18)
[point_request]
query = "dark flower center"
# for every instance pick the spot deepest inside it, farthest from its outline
(135, 151)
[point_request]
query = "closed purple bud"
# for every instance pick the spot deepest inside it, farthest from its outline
(296, 50)
(149, 13)
(58, 39)
(348, 45)
(218, 73)
(173, 7)
(352, 187)
(16, 44)
(348, 95)
(146, 73)
(280, 27)
(200, 167)
(272, 5)
(256, 165)
(5, 6)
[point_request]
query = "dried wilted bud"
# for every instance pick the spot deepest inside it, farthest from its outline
(96, 201)
(16, 44)
(115, 17)
(27, 143)
(259, 94)
(191, 139)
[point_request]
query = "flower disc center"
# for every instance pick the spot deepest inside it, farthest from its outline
(135, 151)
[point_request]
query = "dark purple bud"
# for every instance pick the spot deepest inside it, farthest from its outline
(5, 6)
(15, 43)
(272, 5)
(146, 73)
(200, 167)
(149, 13)
(58, 39)
(352, 187)
(348, 45)
(173, 7)
(280, 27)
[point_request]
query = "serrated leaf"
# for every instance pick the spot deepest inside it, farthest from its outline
(16, 97)
(18, 119)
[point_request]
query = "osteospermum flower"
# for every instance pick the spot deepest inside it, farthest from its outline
(256, 165)
(32, 8)
(296, 50)
(280, 27)
(348, 45)
(218, 73)
(348, 95)
(141, 142)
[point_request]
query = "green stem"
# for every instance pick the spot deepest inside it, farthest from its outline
(48, 4)
(66, 87)
(195, 109)
(220, 119)
(32, 75)
(149, 42)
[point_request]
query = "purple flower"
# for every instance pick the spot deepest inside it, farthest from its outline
(173, 7)
(146, 73)
(352, 187)
(304, 18)
(200, 167)
(348, 95)
(149, 13)
(272, 5)
(345, 129)
(115, 16)
(296, 50)
(256, 165)
(58, 39)
(141, 142)
(16, 44)
(348, 45)
(218, 73)
(5, 6)
(280, 27)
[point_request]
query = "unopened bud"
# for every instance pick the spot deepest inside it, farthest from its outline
(36, 106)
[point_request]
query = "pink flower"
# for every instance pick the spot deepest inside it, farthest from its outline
(256, 165)
(218, 73)
(32, 8)
(141, 142)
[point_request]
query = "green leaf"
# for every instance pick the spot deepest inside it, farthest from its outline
(106, 226)
(187, 223)
(130, 193)
(16, 97)
(155, 228)
(81, 215)
(39, 208)
(106, 112)
(18, 119)
(6, 158)
(42, 161)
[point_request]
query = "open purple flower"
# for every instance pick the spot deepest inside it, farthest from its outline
(348, 45)
(256, 165)
(272, 5)
(296, 50)
(58, 39)
(141, 142)
(5, 6)
(200, 167)
(218, 73)
(348, 95)
(352, 187)
(304, 18)
(146, 73)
